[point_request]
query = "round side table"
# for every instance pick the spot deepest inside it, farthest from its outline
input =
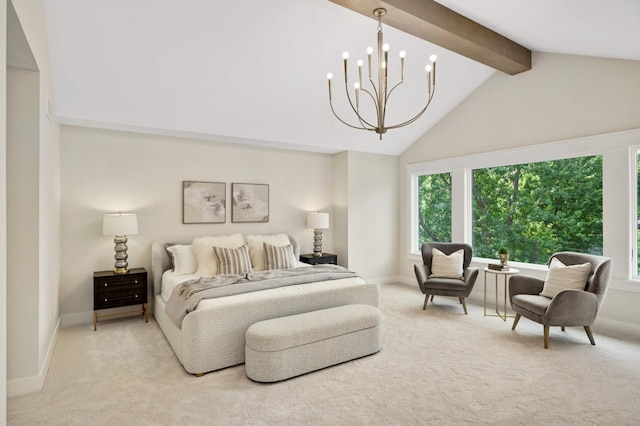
(505, 274)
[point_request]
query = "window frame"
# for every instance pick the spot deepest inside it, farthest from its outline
(634, 157)
(619, 189)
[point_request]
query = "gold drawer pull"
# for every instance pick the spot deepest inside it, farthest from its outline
(135, 296)
(134, 282)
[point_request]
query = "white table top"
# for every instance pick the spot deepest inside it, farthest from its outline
(507, 272)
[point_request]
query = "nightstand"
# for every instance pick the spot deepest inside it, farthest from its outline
(111, 290)
(325, 258)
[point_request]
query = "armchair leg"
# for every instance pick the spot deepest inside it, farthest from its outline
(589, 334)
(515, 321)
(464, 305)
(432, 296)
(562, 328)
(546, 337)
(426, 299)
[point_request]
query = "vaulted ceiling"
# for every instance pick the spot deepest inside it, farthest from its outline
(254, 72)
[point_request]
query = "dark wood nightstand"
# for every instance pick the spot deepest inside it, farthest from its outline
(325, 258)
(111, 290)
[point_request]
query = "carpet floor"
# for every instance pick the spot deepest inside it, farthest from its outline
(437, 366)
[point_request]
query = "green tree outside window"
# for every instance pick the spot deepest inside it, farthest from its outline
(434, 208)
(537, 209)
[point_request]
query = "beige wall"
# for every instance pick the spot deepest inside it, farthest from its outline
(23, 217)
(3, 213)
(107, 171)
(340, 224)
(29, 361)
(562, 97)
(373, 214)
(365, 193)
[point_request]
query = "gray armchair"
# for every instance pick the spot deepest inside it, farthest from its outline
(460, 288)
(569, 308)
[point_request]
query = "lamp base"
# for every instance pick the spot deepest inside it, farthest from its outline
(317, 242)
(121, 254)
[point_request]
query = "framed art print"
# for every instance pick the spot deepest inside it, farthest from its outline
(250, 202)
(204, 202)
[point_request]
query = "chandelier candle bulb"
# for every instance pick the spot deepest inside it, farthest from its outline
(345, 56)
(433, 62)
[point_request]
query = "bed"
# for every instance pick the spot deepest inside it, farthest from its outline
(213, 335)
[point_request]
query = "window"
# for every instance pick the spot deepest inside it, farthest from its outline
(434, 208)
(537, 209)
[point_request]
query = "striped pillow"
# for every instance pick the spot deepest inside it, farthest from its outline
(233, 261)
(278, 257)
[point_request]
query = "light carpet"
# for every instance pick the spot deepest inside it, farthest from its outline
(437, 366)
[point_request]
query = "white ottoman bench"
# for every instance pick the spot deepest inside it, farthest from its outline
(286, 347)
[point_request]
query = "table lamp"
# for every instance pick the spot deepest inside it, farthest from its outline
(120, 225)
(318, 221)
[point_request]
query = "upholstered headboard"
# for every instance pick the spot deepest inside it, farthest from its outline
(161, 260)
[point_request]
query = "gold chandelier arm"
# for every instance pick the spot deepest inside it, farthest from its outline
(360, 117)
(344, 122)
(375, 92)
(411, 120)
(346, 88)
(391, 91)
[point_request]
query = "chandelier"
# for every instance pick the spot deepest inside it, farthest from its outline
(380, 95)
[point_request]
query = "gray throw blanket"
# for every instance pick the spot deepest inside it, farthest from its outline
(186, 296)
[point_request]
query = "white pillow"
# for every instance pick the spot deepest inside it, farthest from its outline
(233, 261)
(256, 249)
(184, 260)
(279, 257)
(561, 277)
(203, 249)
(443, 266)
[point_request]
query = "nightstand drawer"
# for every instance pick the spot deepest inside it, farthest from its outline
(316, 260)
(119, 297)
(108, 284)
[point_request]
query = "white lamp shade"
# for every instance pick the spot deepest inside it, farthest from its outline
(317, 220)
(120, 224)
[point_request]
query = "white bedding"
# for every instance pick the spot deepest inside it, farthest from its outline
(170, 280)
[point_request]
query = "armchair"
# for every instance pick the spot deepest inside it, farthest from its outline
(437, 286)
(568, 307)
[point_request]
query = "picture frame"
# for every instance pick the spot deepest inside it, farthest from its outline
(249, 202)
(204, 202)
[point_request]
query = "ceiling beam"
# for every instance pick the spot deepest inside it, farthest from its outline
(439, 25)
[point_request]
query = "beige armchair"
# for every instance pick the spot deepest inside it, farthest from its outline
(568, 307)
(454, 287)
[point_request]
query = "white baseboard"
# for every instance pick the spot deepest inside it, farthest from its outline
(24, 385)
(86, 317)
(617, 326)
(385, 280)
(79, 318)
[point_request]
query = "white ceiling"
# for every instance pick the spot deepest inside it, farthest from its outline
(254, 72)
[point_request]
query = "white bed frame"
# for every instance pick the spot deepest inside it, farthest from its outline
(212, 336)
